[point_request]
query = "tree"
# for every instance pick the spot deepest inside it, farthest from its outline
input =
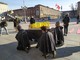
(73, 10)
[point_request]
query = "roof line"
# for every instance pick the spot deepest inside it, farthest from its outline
(3, 3)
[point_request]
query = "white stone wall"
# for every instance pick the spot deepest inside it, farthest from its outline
(3, 8)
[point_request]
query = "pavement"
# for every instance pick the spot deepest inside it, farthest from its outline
(69, 51)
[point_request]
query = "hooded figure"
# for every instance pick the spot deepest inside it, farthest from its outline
(58, 34)
(32, 20)
(46, 42)
(66, 21)
(23, 40)
(77, 19)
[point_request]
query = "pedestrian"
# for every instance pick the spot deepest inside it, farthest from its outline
(32, 20)
(66, 21)
(3, 26)
(77, 19)
(23, 40)
(46, 42)
(58, 34)
(16, 23)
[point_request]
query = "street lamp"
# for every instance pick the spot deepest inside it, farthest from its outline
(24, 9)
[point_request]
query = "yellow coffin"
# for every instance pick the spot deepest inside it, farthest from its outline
(40, 24)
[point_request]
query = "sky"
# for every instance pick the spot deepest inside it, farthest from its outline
(16, 4)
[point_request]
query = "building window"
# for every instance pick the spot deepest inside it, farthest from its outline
(37, 12)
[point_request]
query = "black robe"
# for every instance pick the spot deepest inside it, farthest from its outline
(23, 40)
(46, 43)
(32, 20)
(58, 35)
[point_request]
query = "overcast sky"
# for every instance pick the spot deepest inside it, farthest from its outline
(16, 4)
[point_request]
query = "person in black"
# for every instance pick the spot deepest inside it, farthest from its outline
(23, 40)
(77, 19)
(16, 23)
(58, 34)
(3, 25)
(46, 42)
(66, 21)
(32, 20)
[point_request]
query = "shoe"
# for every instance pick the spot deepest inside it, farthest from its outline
(37, 46)
(45, 56)
(54, 54)
(26, 50)
(65, 34)
(7, 33)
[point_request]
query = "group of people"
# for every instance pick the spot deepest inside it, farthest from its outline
(46, 43)
(48, 40)
(3, 25)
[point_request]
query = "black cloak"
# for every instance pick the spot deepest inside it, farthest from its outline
(23, 40)
(46, 43)
(58, 35)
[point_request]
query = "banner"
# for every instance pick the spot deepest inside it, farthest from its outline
(57, 6)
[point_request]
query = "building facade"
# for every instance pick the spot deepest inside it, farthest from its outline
(39, 11)
(45, 11)
(72, 14)
(3, 7)
(78, 8)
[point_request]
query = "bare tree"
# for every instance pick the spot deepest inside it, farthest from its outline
(76, 6)
(73, 8)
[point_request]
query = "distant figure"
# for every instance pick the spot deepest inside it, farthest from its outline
(23, 40)
(46, 43)
(32, 20)
(3, 25)
(58, 34)
(16, 23)
(77, 19)
(0, 19)
(66, 21)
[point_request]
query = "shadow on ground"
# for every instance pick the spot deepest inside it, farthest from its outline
(67, 51)
(9, 52)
